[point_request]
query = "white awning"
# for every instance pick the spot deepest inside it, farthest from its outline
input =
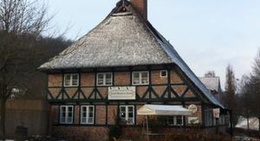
(164, 110)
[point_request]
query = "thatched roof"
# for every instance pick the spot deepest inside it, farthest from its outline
(124, 38)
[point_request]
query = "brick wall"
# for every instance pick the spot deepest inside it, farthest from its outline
(88, 79)
(120, 78)
(105, 115)
(54, 80)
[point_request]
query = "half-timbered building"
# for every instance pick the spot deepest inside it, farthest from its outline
(116, 68)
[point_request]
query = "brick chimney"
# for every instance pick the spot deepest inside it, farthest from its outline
(141, 6)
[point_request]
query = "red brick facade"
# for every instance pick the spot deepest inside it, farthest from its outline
(106, 112)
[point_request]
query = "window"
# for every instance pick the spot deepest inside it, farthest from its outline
(163, 73)
(175, 120)
(71, 80)
(66, 114)
(140, 78)
(208, 116)
(104, 79)
(87, 115)
(127, 114)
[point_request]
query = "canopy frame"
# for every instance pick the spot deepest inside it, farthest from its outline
(161, 110)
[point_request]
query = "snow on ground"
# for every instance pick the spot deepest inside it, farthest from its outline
(253, 123)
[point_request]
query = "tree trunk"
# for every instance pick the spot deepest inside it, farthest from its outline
(259, 124)
(2, 119)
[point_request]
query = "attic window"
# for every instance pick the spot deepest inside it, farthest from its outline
(123, 9)
(163, 73)
(122, 6)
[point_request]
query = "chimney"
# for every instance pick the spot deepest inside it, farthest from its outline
(141, 6)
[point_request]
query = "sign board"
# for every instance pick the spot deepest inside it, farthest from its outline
(193, 120)
(193, 108)
(216, 112)
(122, 93)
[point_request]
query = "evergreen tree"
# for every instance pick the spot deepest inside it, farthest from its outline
(230, 93)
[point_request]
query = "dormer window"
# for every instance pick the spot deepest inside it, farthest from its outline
(71, 80)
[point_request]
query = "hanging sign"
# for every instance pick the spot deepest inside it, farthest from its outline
(216, 112)
(193, 108)
(193, 120)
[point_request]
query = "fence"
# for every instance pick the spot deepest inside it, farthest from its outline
(31, 114)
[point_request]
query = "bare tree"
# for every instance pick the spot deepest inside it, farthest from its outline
(256, 86)
(22, 16)
(21, 21)
(250, 90)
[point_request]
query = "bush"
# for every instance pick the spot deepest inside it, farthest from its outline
(115, 131)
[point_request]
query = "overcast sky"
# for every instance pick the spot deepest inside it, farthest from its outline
(208, 34)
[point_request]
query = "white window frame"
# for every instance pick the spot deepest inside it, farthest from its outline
(86, 115)
(104, 80)
(140, 80)
(165, 71)
(71, 81)
(125, 116)
(66, 114)
(174, 120)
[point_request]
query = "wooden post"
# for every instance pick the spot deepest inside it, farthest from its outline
(147, 128)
